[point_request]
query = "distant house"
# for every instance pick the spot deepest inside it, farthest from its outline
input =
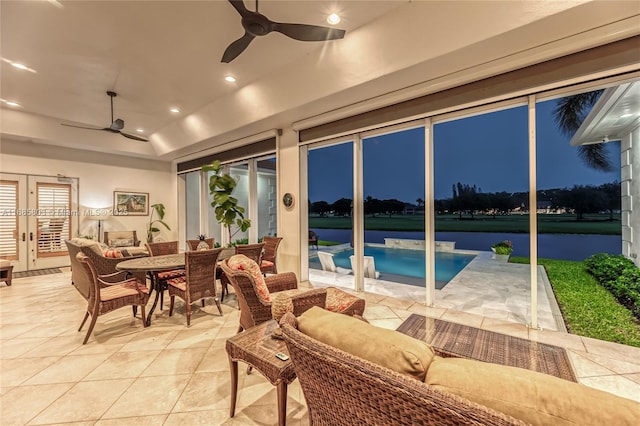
(543, 207)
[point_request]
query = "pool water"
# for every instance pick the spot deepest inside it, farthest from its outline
(408, 262)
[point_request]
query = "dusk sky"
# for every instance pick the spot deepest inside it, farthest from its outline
(489, 151)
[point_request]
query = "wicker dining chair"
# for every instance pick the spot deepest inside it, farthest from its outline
(105, 297)
(193, 244)
(161, 277)
(252, 251)
(254, 310)
(268, 262)
(198, 282)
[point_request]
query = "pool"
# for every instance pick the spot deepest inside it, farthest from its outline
(405, 262)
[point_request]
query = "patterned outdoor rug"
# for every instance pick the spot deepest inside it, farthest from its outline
(37, 272)
(474, 343)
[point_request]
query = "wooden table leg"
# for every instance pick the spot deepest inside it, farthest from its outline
(233, 367)
(282, 403)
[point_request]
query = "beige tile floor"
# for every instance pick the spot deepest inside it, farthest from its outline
(169, 374)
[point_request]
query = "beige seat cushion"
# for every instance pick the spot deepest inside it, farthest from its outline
(536, 398)
(388, 348)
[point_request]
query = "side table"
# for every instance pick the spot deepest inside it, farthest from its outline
(258, 349)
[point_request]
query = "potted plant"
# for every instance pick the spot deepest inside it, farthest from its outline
(502, 250)
(227, 210)
(159, 209)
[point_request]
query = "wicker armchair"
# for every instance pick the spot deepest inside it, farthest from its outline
(198, 282)
(253, 310)
(160, 278)
(105, 297)
(252, 251)
(193, 244)
(268, 262)
(342, 389)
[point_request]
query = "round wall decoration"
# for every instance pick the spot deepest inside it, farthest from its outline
(287, 200)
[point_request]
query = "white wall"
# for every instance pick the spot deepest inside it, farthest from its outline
(99, 176)
(289, 219)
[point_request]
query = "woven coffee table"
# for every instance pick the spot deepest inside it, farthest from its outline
(256, 348)
(457, 340)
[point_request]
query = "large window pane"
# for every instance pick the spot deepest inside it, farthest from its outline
(330, 171)
(267, 197)
(192, 205)
(394, 193)
(578, 203)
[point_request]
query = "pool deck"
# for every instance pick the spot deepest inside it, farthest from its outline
(485, 287)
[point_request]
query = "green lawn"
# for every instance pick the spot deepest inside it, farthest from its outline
(588, 308)
(547, 224)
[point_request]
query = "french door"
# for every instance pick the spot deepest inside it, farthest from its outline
(37, 213)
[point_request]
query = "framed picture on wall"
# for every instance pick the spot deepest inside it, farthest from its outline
(131, 203)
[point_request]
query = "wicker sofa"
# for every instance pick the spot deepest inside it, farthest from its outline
(352, 372)
(125, 240)
(104, 265)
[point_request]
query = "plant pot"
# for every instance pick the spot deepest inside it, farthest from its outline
(504, 258)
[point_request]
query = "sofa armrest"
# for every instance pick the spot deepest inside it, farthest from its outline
(307, 299)
(281, 282)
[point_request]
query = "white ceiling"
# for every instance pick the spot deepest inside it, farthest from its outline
(613, 117)
(158, 54)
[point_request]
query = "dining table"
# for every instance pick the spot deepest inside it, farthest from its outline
(150, 265)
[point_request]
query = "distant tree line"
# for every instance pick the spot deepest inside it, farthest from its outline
(469, 200)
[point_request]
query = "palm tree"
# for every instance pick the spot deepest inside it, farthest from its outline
(569, 113)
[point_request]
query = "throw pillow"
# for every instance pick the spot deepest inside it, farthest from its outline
(388, 348)
(240, 262)
(536, 398)
(114, 253)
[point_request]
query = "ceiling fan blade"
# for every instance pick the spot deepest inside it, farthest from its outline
(306, 32)
(83, 127)
(237, 47)
(134, 137)
(117, 124)
(240, 7)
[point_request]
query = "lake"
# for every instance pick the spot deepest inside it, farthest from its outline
(552, 246)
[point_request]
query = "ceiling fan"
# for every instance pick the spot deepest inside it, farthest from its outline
(255, 25)
(116, 125)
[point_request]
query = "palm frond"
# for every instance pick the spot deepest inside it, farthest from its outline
(595, 156)
(571, 111)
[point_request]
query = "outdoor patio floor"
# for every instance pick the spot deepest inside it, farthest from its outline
(485, 287)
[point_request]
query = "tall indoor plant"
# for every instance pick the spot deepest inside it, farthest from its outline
(159, 209)
(228, 212)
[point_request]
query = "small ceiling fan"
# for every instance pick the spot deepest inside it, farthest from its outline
(116, 125)
(256, 25)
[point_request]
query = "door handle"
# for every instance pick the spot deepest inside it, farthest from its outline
(24, 236)
(30, 236)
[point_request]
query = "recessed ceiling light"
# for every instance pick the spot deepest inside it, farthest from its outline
(174, 110)
(18, 65)
(10, 103)
(333, 19)
(626, 115)
(230, 79)
(140, 130)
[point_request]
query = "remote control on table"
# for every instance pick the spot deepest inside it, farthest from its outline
(282, 356)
